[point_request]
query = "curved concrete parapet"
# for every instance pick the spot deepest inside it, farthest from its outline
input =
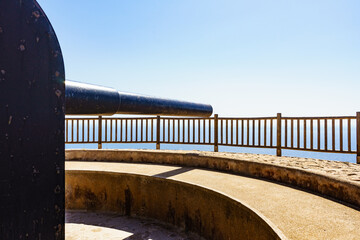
(209, 213)
(314, 180)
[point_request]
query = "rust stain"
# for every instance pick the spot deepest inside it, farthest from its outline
(171, 213)
(58, 93)
(36, 14)
(91, 200)
(22, 45)
(128, 201)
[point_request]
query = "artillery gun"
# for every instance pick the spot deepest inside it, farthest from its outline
(87, 99)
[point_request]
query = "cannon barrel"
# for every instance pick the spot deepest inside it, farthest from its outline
(88, 99)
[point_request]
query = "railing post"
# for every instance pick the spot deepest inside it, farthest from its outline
(100, 133)
(157, 132)
(216, 133)
(358, 137)
(278, 135)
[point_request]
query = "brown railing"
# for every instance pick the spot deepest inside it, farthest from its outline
(322, 134)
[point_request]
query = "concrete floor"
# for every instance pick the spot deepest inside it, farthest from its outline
(100, 226)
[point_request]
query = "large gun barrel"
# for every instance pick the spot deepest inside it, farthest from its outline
(88, 99)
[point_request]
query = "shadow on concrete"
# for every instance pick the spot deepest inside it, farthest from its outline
(173, 172)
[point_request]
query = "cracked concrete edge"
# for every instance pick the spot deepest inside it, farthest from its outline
(308, 179)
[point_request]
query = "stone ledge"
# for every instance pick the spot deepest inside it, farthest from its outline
(338, 180)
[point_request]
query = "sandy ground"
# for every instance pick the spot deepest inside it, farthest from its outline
(343, 170)
(101, 226)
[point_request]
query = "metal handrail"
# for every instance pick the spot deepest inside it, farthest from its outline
(338, 134)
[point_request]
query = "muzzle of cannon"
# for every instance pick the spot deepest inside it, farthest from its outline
(87, 99)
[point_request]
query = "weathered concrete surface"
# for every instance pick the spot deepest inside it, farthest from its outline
(298, 214)
(97, 226)
(197, 209)
(338, 180)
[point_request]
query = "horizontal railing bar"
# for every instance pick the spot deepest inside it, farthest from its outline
(129, 141)
(245, 118)
(191, 143)
(220, 118)
(250, 146)
(309, 118)
(104, 118)
(72, 118)
(319, 150)
(211, 118)
(185, 118)
(109, 118)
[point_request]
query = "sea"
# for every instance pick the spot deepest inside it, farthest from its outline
(291, 153)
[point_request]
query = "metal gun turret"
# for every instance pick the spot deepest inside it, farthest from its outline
(88, 99)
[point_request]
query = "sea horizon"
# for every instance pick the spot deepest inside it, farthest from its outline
(343, 157)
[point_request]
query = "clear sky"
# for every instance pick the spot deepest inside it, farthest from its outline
(245, 58)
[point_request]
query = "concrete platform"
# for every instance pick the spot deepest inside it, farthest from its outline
(298, 214)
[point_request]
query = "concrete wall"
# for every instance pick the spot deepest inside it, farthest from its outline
(210, 214)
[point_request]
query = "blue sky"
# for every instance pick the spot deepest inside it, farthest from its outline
(246, 58)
